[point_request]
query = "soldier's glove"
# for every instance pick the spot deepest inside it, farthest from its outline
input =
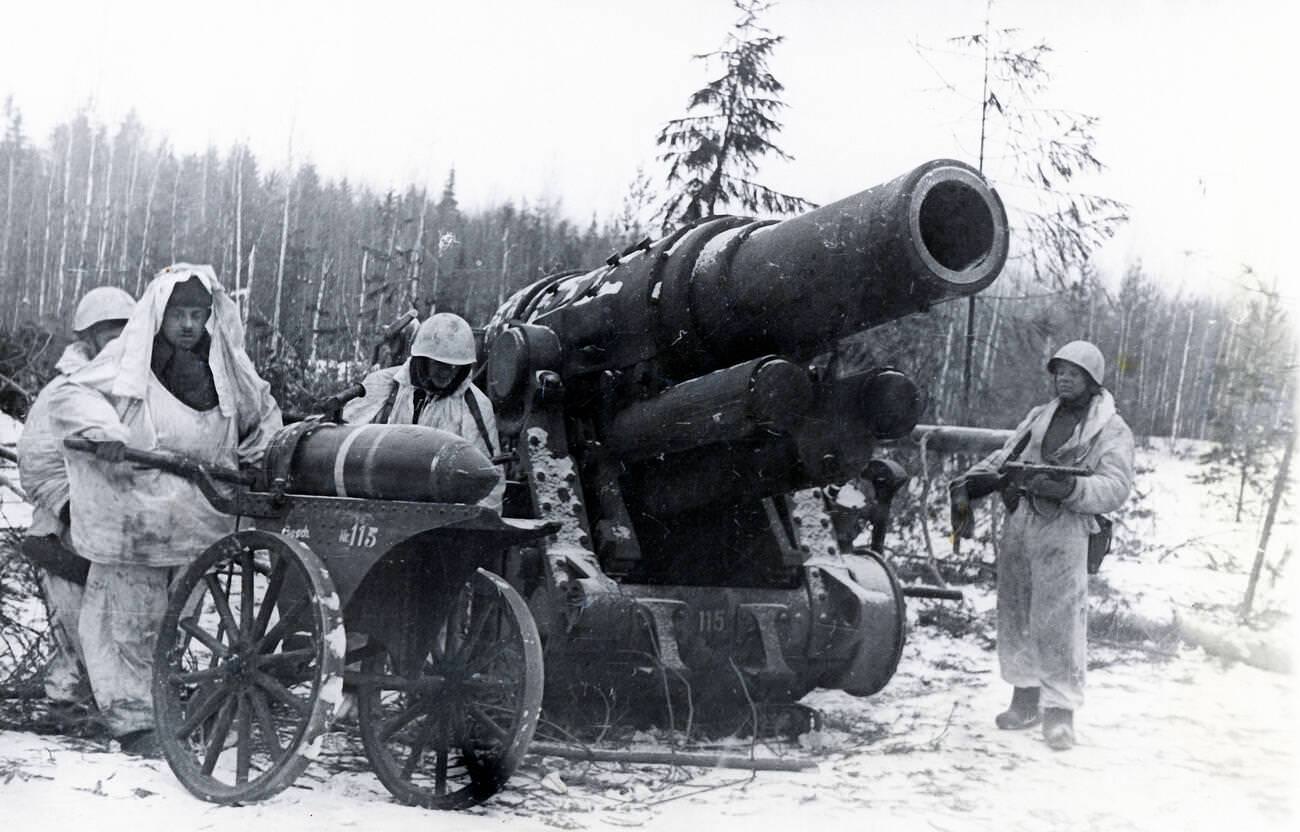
(1052, 487)
(110, 450)
(963, 519)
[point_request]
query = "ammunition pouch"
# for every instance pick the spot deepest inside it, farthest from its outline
(1099, 543)
(50, 554)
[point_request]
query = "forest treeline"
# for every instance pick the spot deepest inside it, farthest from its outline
(322, 265)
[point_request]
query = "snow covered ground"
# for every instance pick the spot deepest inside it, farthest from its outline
(1170, 737)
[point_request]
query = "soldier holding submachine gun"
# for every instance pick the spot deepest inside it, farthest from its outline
(1067, 463)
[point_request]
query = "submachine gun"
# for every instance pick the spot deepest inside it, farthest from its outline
(667, 410)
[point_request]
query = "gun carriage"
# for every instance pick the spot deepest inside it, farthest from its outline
(362, 565)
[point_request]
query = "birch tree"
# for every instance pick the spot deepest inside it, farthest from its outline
(148, 217)
(84, 240)
(284, 244)
(102, 252)
(65, 214)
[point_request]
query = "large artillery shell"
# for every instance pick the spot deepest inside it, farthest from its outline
(391, 462)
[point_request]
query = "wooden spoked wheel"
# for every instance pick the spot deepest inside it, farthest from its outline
(445, 723)
(247, 669)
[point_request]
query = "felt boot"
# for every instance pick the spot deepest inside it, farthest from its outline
(141, 744)
(1058, 728)
(1023, 712)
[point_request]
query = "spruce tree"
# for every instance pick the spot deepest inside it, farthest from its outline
(713, 151)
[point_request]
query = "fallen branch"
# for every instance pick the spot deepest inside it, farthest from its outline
(28, 690)
(670, 758)
(15, 385)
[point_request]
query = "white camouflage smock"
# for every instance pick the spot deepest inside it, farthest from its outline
(45, 479)
(136, 525)
(1042, 563)
(127, 515)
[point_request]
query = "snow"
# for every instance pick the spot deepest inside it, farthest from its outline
(13, 511)
(1169, 738)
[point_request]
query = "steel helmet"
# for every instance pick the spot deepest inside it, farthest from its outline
(105, 303)
(447, 338)
(1085, 355)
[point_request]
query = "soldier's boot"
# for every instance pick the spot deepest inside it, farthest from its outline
(1058, 728)
(1023, 712)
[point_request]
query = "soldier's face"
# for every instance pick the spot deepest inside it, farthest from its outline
(1071, 381)
(441, 374)
(103, 333)
(182, 326)
(431, 374)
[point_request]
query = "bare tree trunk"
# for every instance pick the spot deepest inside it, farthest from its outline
(63, 235)
(203, 191)
(316, 310)
(148, 219)
(986, 371)
(130, 204)
(1090, 286)
(944, 404)
(28, 239)
(82, 265)
(1147, 333)
(284, 247)
(505, 265)
(1223, 379)
(248, 284)
(105, 216)
(361, 304)
(45, 245)
(176, 187)
(239, 218)
(381, 317)
(1279, 486)
(1182, 375)
(413, 288)
(968, 365)
(1201, 384)
(1125, 323)
(1158, 404)
(9, 222)
(437, 270)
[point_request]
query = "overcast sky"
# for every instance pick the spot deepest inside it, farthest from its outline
(561, 100)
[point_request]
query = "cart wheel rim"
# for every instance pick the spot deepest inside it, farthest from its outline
(449, 733)
(248, 667)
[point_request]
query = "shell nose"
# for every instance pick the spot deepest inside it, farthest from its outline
(464, 474)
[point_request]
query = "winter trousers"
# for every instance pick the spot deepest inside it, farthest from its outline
(121, 611)
(1043, 604)
(65, 681)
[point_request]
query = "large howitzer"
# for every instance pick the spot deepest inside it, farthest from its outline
(667, 410)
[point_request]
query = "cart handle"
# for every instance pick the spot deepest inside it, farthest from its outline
(182, 466)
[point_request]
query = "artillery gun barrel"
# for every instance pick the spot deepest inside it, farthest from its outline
(795, 287)
(729, 289)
